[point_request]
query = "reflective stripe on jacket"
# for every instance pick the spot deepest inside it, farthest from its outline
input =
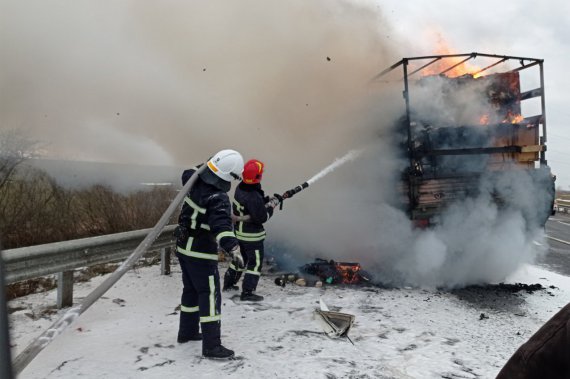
(249, 200)
(205, 221)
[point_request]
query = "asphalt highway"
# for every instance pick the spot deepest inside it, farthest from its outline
(558, 236)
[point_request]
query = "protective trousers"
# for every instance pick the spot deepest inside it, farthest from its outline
(253, 258)
(233, 274)
(201, 300)
(253, 263)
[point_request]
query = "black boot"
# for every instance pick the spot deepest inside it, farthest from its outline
(218, 352)
(230, 288)
(184, 339)
(229, 282)
(250, 296)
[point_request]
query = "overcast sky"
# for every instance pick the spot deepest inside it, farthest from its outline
(107, 80)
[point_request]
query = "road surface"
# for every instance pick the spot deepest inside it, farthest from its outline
(558, 235)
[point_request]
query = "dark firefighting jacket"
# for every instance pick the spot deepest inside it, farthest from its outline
(249, 199)
(545, 354)
(205, 221)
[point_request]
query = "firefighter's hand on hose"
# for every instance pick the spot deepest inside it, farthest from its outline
(273, 202)
(237, 259)
(280, 198)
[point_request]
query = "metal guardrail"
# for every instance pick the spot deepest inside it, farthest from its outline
(62, 258)
(5, 353)
(147, 243)
(41, 260)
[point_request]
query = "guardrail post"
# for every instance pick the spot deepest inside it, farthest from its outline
(165, 261)
(64, 289)
(5, 354)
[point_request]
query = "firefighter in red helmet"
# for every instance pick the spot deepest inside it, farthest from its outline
(250, 200)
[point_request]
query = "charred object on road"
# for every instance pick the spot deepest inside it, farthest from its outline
(502, 297)
(464, 133)
(323, 271)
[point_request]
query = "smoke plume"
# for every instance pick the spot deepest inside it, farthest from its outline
(172, 82)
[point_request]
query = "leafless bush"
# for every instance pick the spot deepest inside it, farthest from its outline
(37, 210)
(34, 209)
(15, 147)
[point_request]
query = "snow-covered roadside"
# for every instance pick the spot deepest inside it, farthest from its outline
(398, 333)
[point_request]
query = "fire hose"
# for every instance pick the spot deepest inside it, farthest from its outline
(286, 195)
(352, 154)
(37, 345)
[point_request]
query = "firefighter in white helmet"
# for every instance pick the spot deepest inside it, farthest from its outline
(204, 223)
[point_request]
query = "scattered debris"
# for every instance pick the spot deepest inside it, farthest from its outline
(42, 313)
(63, 364)
(512, 288)
(283, 279)
(167, 362)
(335, 324)
(121, 302)
(332, 272)
(500, 297)
(15, 309)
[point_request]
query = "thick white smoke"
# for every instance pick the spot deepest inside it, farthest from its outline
(171, 82)
(480, 239)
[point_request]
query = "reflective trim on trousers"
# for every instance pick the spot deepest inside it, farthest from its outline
(250, 239)
(195, 254)
(245, 234)
(212, 301)
(211, 318)
(233, 267)
(212, 295)
(188, 309)
(257, 261)
(224, 234)
(255, 270)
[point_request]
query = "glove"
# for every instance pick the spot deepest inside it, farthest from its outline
(280, 198)
(273, 202)
(237, 258)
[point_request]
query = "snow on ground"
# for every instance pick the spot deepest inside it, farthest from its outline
(398, 333)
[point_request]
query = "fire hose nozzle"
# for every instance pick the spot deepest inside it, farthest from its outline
(295, 190)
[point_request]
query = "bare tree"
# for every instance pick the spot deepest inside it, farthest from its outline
(15, 147)
(34, 209)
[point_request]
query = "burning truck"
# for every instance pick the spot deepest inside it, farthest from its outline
(470, 131)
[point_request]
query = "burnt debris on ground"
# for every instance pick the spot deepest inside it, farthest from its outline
(323, 271)
(500, 297)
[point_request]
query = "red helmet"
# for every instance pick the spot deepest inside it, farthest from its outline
(252, 171)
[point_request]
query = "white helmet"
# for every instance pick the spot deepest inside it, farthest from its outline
(226, 165)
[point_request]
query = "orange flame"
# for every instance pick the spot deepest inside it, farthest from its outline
(512, 118)
(443, 48)
(348, 271)
(509, 119)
